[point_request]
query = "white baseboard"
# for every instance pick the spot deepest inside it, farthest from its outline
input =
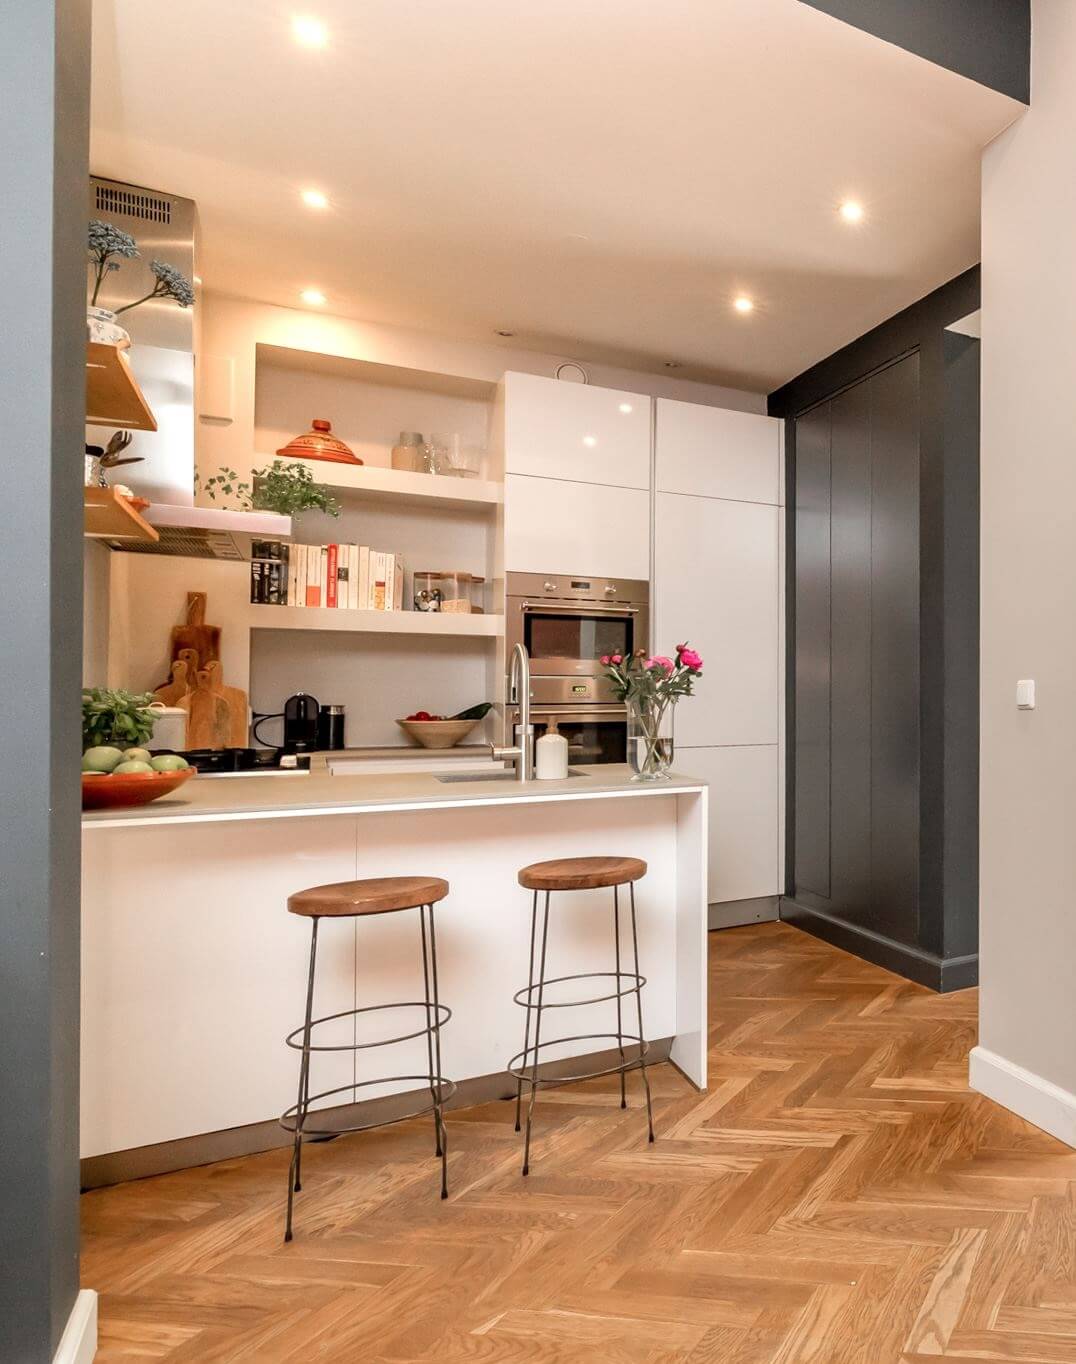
(1024, 1093)
(79, 1342)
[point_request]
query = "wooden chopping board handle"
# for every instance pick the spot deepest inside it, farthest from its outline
(196, 608)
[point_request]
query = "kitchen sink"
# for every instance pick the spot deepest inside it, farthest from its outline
(492, 776)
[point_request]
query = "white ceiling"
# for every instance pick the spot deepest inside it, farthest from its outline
(601, 177)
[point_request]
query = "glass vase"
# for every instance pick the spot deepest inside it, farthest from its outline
(650, 740)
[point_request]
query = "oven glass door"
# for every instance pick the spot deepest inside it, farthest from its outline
(572, 642)
(591, 738)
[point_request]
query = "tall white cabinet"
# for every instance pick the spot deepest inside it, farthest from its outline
(717, 583)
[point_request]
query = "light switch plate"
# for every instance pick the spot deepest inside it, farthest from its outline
(1025, 694)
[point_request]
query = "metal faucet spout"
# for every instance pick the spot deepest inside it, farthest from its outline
(519, 687)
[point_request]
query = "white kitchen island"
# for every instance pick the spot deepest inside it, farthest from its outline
(193, 970)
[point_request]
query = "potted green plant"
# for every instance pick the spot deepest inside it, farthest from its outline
(287, 489)
(119, 719)
(108, 246)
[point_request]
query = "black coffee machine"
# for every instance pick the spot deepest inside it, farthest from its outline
(300, 717)
(308, 726)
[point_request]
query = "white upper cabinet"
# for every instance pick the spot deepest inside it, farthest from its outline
(552, 525)
(711, 452)
(576, 431)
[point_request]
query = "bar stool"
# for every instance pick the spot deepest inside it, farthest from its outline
(580, 873)
(352, 899)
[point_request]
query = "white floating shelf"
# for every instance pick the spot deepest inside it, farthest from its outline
(378, 484)
(374, 622)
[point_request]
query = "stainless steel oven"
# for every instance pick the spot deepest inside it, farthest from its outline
(568, 622)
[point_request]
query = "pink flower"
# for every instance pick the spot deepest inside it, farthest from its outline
(690, 659)
(659, 662)
(605, 660)
(617, 658)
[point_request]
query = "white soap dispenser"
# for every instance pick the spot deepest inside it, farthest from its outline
(551, 754)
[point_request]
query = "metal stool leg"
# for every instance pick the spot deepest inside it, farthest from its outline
(430, 1015)
(303, 1098)
(537, 1037)
(433, 1046)
(619, 1011)
(639, 1003)
(527, 1012)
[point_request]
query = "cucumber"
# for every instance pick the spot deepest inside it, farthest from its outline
(478, 712)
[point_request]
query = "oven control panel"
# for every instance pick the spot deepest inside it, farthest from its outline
(576, 587)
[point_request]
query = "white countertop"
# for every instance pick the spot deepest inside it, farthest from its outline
(208, 799)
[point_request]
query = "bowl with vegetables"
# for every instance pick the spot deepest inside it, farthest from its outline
(443, 731)
(117, 770)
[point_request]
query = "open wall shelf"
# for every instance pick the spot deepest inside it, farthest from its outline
(374, 622)
(113, 397)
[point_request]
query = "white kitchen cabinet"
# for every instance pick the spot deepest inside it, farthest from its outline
(576, 431)
(717, 586)
(710, 452)
(556, 526)
(744, 817)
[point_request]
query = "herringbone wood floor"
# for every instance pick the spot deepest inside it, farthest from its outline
(837, 1197)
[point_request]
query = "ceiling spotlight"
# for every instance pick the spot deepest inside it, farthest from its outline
(743, 304)
(851, 212)
(313, 296)
(313, 198)
(590, 440)
(625, 408)
(308, 31)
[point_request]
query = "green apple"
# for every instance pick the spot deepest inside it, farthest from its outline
(102, 759)
(126, 768)
(169, 762)
(137, 755)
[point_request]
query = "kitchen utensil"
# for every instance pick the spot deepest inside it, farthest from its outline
(172, 692)
(112, 791)
(437, 733)
(209, 720)
(235, 698)
(319, 443)
(196, 634)
(331, 728)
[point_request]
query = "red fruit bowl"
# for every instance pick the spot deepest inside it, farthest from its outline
(113, 791)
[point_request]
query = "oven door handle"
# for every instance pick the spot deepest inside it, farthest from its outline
(582, 712)
(572, 609)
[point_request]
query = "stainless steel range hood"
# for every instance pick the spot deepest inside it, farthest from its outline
(163, 359)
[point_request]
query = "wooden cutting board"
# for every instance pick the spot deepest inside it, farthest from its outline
(208, 717)
(235, 698)
(174, 690)
(196, 634)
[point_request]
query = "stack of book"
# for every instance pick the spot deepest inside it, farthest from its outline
(351, 577)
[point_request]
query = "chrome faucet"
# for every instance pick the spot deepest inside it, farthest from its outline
(519, 687)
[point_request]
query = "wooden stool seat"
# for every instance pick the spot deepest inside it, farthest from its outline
(581, 873)
(377, 895)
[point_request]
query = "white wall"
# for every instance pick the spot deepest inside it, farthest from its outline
(1027, 1053)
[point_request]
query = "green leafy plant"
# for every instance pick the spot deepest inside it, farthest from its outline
(115, 717)
(283, 488)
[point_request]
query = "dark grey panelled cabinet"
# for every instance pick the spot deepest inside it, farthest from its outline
(882, 713)
(856, 660)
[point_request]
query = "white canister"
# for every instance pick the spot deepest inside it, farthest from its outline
(551, 754)
(169, 728)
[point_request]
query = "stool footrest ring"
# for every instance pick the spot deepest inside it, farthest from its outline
(521, 1065)
(445, 1089)
(443, 1012)
(532, 990)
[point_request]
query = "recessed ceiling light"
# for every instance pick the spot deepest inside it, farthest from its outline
(500, 331)
(851, 212)
(308, 31)
(626, 408)
(313, 198)
(590, 440)
(743, 304)
(313, 296)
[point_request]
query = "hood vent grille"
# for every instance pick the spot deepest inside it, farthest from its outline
(188, 542)
(133, 203)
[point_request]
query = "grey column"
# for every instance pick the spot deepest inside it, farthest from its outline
(44, 82)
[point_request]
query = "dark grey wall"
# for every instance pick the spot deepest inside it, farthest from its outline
(873, 472)
(44, 72)
(986, 40)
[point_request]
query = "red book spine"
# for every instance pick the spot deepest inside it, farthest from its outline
(330, 576)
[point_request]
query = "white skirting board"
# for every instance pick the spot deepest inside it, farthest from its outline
(78, 1345)
(1024, 1093)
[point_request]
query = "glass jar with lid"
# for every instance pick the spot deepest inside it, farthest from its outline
(453, 593)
